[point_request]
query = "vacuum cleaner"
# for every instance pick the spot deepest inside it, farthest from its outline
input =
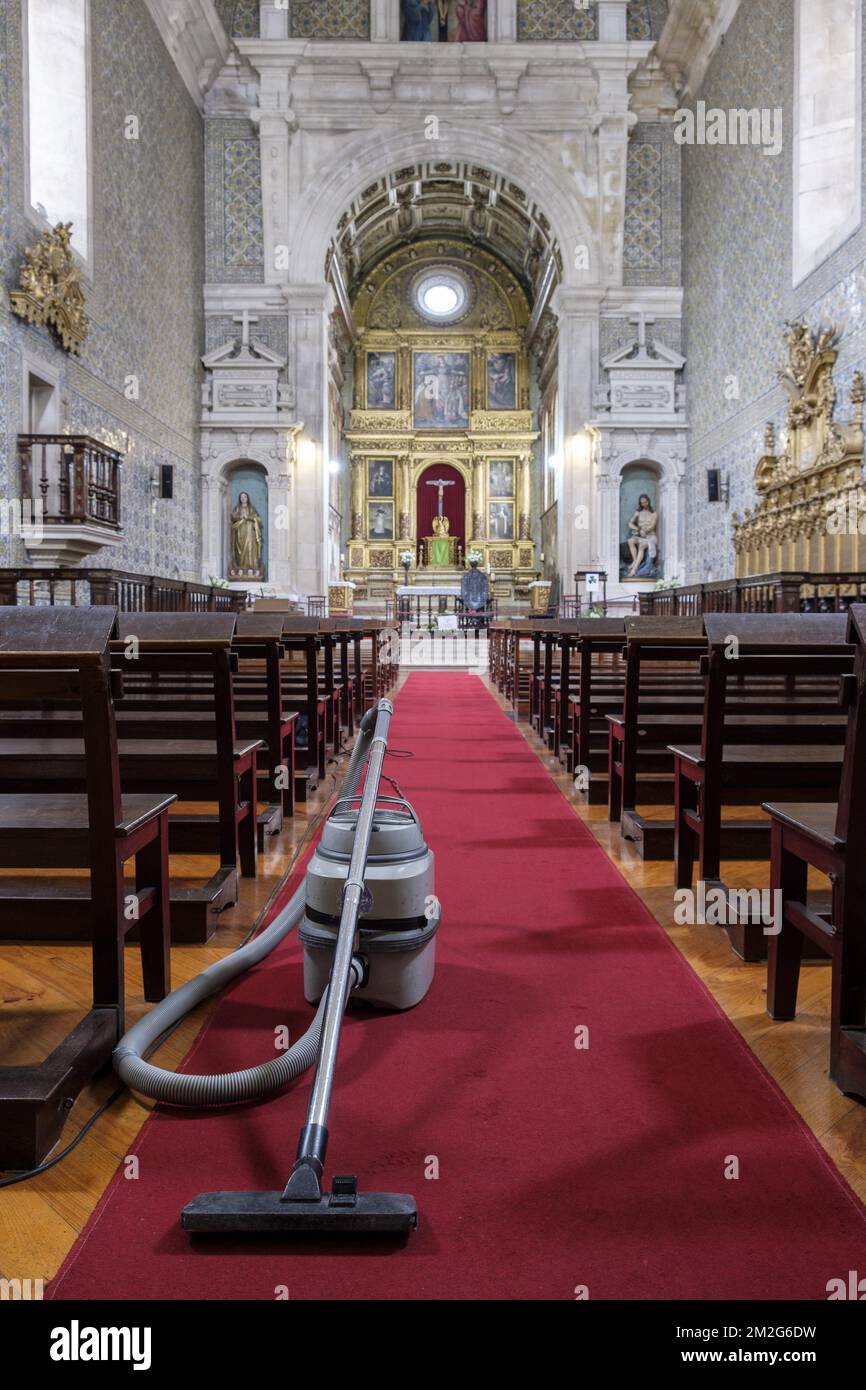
(368, 919)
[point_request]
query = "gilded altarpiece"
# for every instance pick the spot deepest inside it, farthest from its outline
(811, 512)
(431, 390)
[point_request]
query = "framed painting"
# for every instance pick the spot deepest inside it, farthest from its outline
(502, 381)
(380, 521)
(501, 477)
(441, 390)
(380, 478)
(381, 380)
(501, 521)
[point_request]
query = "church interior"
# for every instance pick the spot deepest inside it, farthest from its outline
(432, 652)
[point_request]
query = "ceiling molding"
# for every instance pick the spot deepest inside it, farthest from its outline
(193, 33)
(693, 32)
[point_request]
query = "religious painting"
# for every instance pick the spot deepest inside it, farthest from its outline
(501, 381)
(380, 478)
(501, 521)
(381, 380)
(501, 478)
(444, 21)
(380, 521)
(441, 390)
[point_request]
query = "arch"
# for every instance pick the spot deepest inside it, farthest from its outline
(357, 163)
(665, 455)
(454, 499)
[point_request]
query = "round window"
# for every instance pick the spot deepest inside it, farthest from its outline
(441, 295)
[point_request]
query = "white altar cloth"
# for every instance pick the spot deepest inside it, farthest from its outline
(428, 591)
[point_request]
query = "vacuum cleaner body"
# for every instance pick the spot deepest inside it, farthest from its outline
(397, 932)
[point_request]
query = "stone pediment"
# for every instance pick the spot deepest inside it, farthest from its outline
(239, 356)
(646, 357)
(642, 380)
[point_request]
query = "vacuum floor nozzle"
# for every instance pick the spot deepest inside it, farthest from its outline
(339, 1212)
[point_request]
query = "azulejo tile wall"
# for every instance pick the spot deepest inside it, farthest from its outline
(563, 19)
(144, 300)
(233, 195)
(652, 250)
(738, 229)
(330, 19)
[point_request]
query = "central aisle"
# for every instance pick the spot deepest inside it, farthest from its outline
(558, 1167)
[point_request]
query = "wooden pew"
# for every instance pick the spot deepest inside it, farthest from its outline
(50, 655)
(789, 647)
(598, 639)
(662, 685)
(831, 839)
(176, 721)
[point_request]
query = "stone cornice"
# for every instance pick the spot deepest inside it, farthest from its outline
(194, 36)
(689, 39)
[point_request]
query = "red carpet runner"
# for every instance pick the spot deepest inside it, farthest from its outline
(557, 1167)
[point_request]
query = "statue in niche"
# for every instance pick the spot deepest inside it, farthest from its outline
(643, 541)
(246, 540)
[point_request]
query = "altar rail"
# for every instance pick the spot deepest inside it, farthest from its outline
(767, 593)
(131, 593)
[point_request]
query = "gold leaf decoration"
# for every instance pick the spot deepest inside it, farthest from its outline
(51, 290)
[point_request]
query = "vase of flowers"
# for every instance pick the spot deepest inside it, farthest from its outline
(474, 558)
(406, 558)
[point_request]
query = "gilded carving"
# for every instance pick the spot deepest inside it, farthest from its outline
(51, 290)
(817, 474)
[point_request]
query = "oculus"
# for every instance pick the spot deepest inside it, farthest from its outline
(441, 296)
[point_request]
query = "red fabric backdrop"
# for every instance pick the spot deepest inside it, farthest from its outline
(453, 501)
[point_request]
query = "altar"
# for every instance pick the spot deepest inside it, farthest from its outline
(411, 606)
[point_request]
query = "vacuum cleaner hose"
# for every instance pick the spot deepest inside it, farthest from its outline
(178, 1088)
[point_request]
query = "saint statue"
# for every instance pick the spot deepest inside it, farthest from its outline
(643, 541)
(246, 540)
(441, 526)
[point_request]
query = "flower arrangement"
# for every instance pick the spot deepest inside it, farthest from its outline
(475, 557)
(407, 557)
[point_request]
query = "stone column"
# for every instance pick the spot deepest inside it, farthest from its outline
(276, 124)
(524, 497)
(279, 560)
(273, 19)
(479, 528)
(384, 21)
(502, 21)
(577, 311)
(213, 496)
(309, 310)
(612, 21)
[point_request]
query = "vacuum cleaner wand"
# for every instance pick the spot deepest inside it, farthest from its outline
(303, 1206)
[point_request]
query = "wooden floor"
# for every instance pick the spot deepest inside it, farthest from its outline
(44, 990)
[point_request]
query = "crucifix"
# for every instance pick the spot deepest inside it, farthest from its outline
(246, 318)
(641, 321)
(441, 483)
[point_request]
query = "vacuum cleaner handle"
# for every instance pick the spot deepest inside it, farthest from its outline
(305, 1181)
